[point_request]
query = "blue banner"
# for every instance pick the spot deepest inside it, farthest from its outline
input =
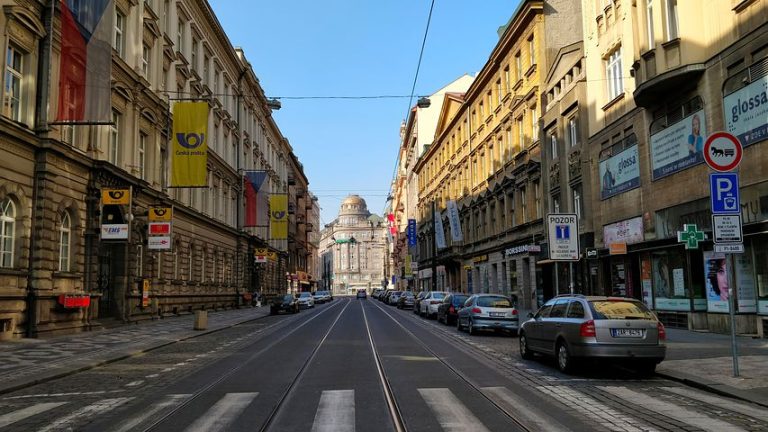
(411, 232)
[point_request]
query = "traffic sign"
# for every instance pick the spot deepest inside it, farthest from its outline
(159, 243)
(724, 192)
(563, 231)
(691, 236)
(727, 228)
(723, 151)
(730, 248)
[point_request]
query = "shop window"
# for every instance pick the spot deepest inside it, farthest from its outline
(7, 232)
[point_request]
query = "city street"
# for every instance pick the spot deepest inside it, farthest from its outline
(358, 365)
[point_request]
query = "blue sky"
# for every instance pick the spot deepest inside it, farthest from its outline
(356, 48)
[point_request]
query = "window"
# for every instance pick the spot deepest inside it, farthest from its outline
(518, 66)
(613, 75)
(65, 228)
(649, 23)
(555, 204)
(506, 79)
(203, 259)
(672, 21)
(206, 68)
(523, 205)
(537, 198)
(141, 160)
(534, 125)
(114, 138)
(175, 254)
(119, 33)
(576, 193)
(68, 134)
(7, 232)
(573, 137)
(180, 36)
(509, 143)
(532, 50)
(139, 261)
(520, 134)
(167, 15)
(498, 92)
(146, 53)
(189, 264)
(13, 83)
(482, 112)
(553, 146)
(193, 56)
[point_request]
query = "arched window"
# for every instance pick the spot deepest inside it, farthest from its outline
(65, 238)
(7, 232)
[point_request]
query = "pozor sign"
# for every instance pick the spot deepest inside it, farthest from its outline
(563, 232)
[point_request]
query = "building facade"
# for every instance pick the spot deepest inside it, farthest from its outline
(53, 175)
(353, 249)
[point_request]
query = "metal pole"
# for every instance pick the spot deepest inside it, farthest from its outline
(557, 280)
(570, 272)
(732, 313)
(434, 249)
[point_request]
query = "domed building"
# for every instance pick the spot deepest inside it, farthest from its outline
(353, 249)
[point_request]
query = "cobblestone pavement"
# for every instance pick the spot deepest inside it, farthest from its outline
(26, 361)
(613, 398)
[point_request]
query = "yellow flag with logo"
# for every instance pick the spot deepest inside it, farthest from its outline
(189, 153)
(278, 216)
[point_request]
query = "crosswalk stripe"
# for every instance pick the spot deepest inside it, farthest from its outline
(335, 412)
(511, 402)
(13, 417)
(450, 412)
(676, 412)
(169, 401)
(223, 413)
(728, 404)
(594, 410)
(100, 407)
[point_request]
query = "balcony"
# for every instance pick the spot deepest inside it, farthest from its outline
(655, 90)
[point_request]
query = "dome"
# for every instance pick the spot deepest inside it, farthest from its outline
(354, 205)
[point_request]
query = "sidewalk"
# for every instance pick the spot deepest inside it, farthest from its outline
(25, 362)
(704, 360)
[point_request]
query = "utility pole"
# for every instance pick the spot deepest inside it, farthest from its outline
(434, 249)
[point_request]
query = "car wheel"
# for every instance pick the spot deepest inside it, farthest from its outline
(564, 359)
(471, 328)
(525, 353)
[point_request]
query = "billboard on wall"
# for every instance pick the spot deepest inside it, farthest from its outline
(746, 112)
(678, 146)
(619, 173)
(629, 231)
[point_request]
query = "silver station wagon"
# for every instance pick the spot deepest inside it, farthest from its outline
(575, 328)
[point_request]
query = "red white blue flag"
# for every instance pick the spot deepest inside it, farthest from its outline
(85, 68)
(256, 202)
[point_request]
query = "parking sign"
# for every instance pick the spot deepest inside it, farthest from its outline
(563, 231)
(724, 192)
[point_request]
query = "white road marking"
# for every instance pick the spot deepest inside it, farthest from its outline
(450, 412)
(223, 413)
(593, 410)
(151, 411)
(47, 395)
(15, 416)
(135, 383)
(67, 422)
(676, 412)
(152, 376)
(335, 412)
(513, 403)
(721, 402)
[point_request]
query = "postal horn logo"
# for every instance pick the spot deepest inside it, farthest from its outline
(190, 140)
(116, 194)
(160, 212)
(278, 214)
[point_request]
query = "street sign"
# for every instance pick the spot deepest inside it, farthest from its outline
(159, 243)
(159, 228)
(691, 236)
(563, 231)
(730, 248)
(617, 249)
(723, 151)
(724, 192)
(727, 228)
(591, 253)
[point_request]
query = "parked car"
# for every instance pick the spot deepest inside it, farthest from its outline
(319, 297)
(305, 300)
(394, 297)
(286, 303)
(575, 327)
(406, 300)
(448, 310)
(385, 297)
(361, 294)
(430, 302)
(417, 301)
(488, 312)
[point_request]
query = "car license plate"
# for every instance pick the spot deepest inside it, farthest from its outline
(627, 333)
(497, 314)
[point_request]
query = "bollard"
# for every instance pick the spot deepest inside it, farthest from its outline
(201, 320)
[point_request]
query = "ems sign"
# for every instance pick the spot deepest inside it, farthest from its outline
(563, 237)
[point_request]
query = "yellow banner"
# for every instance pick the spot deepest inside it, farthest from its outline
(189, 155)
(115, 196)
(278, 217)
(160, 214)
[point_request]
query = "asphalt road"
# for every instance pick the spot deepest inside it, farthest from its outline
(360, 365)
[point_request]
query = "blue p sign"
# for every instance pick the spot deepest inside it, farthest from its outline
(724, 190)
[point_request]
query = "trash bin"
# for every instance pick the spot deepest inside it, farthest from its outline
(201, 320)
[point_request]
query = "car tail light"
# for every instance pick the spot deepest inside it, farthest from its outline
(477, 310)
(434, 302)
(514, 311)
(451, 309)
(587, 329)
(662, 332)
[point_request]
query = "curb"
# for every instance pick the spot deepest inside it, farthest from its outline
(710, 389)
(57, 375)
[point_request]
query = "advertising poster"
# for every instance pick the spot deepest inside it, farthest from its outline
(189, 153)
(411, 232)
(665, 291)
(645, 281)
(716, 282)
(619, 173)
(628, 231)
(746, 297)
(439, 231)
(746, 112)
(454, 222)
(679, 146)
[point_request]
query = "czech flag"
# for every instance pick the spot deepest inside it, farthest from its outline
(85, 68)
(256, 203)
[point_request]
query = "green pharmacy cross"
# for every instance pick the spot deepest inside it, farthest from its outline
(691, 236)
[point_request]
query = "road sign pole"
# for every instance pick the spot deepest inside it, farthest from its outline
(570, 272)
(557, 280)
(732, 313)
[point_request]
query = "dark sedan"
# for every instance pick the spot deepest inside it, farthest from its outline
(286, 303)
(448, 310)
